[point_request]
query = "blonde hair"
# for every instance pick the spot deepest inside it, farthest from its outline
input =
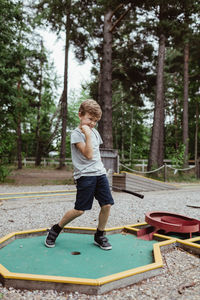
(92, 107)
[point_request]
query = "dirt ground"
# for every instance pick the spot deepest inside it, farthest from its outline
(31, 176)
(51, 176)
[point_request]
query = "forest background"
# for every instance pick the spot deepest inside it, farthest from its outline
(145, 76)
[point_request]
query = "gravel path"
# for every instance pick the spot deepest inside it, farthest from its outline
(181, 273)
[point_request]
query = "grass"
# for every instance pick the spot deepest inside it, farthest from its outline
(8, 181)
(67, 181)
(47, 167)
(31, 175)
(179, 177)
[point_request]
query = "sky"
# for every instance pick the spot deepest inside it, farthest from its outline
(78, 73)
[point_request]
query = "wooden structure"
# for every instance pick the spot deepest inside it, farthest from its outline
(137, 183)
(110, 159)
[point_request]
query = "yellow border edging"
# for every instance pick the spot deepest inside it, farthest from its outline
(195, 239)
(157, 264)
(163, 236)
(36, 196)
(40, 192)
(158, 261)
(189, 243)
(7, 274)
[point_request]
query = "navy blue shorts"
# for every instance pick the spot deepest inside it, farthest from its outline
(90, 187)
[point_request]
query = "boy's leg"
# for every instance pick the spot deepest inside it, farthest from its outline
(105, 199)
(103, 217)
(70, 216)
(84, 199)
(99, 237)
(56, 229)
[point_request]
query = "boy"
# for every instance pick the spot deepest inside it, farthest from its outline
(90, 175)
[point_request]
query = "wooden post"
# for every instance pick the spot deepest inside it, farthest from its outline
(24, 162)
(143, 165)
(165, 172)
(197, 167)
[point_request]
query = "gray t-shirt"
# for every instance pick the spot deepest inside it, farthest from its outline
(82, 165)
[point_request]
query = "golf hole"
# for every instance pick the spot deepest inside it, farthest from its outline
(75, 253)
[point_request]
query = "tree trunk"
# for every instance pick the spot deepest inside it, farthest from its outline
(106, 83)
(19, 143)
(162, 132)
(175, 125)
(122, 132)
(131, 136)
(38, 155)
(185, 104)
(64, 96)
(196, 138)
(100, 101)
(175, 106)
(18, 131)
(157, 138)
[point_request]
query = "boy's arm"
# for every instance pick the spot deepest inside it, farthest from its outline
(86, 148)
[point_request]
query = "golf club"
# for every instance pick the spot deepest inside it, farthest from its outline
(129, 192)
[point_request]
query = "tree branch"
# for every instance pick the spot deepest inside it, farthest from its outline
(118, 20)
(114, 11)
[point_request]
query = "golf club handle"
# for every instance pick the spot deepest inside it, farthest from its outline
(129, 192)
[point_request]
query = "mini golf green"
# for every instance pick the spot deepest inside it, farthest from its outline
(75, 255)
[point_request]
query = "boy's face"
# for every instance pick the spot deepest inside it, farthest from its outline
(88, 120)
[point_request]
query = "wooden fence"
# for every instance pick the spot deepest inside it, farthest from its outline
(46, 161)
(141, 163)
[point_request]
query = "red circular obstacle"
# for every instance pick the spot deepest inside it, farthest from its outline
(172, 222)
(169, 222)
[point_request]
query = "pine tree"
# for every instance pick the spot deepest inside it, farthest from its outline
(58, 16)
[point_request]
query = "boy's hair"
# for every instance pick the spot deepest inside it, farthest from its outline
(92, 107)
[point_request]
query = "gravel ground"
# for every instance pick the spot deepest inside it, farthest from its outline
(181, 273)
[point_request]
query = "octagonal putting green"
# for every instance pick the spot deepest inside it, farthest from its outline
(76, 263)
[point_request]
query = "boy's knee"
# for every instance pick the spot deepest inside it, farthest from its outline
(79, 212)
(106, 207)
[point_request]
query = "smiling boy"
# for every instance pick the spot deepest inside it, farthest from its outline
(90, 175)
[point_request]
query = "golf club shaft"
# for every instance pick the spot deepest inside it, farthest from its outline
(129, 192)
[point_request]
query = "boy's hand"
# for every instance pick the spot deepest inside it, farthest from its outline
(86, 147)
(86, 130)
